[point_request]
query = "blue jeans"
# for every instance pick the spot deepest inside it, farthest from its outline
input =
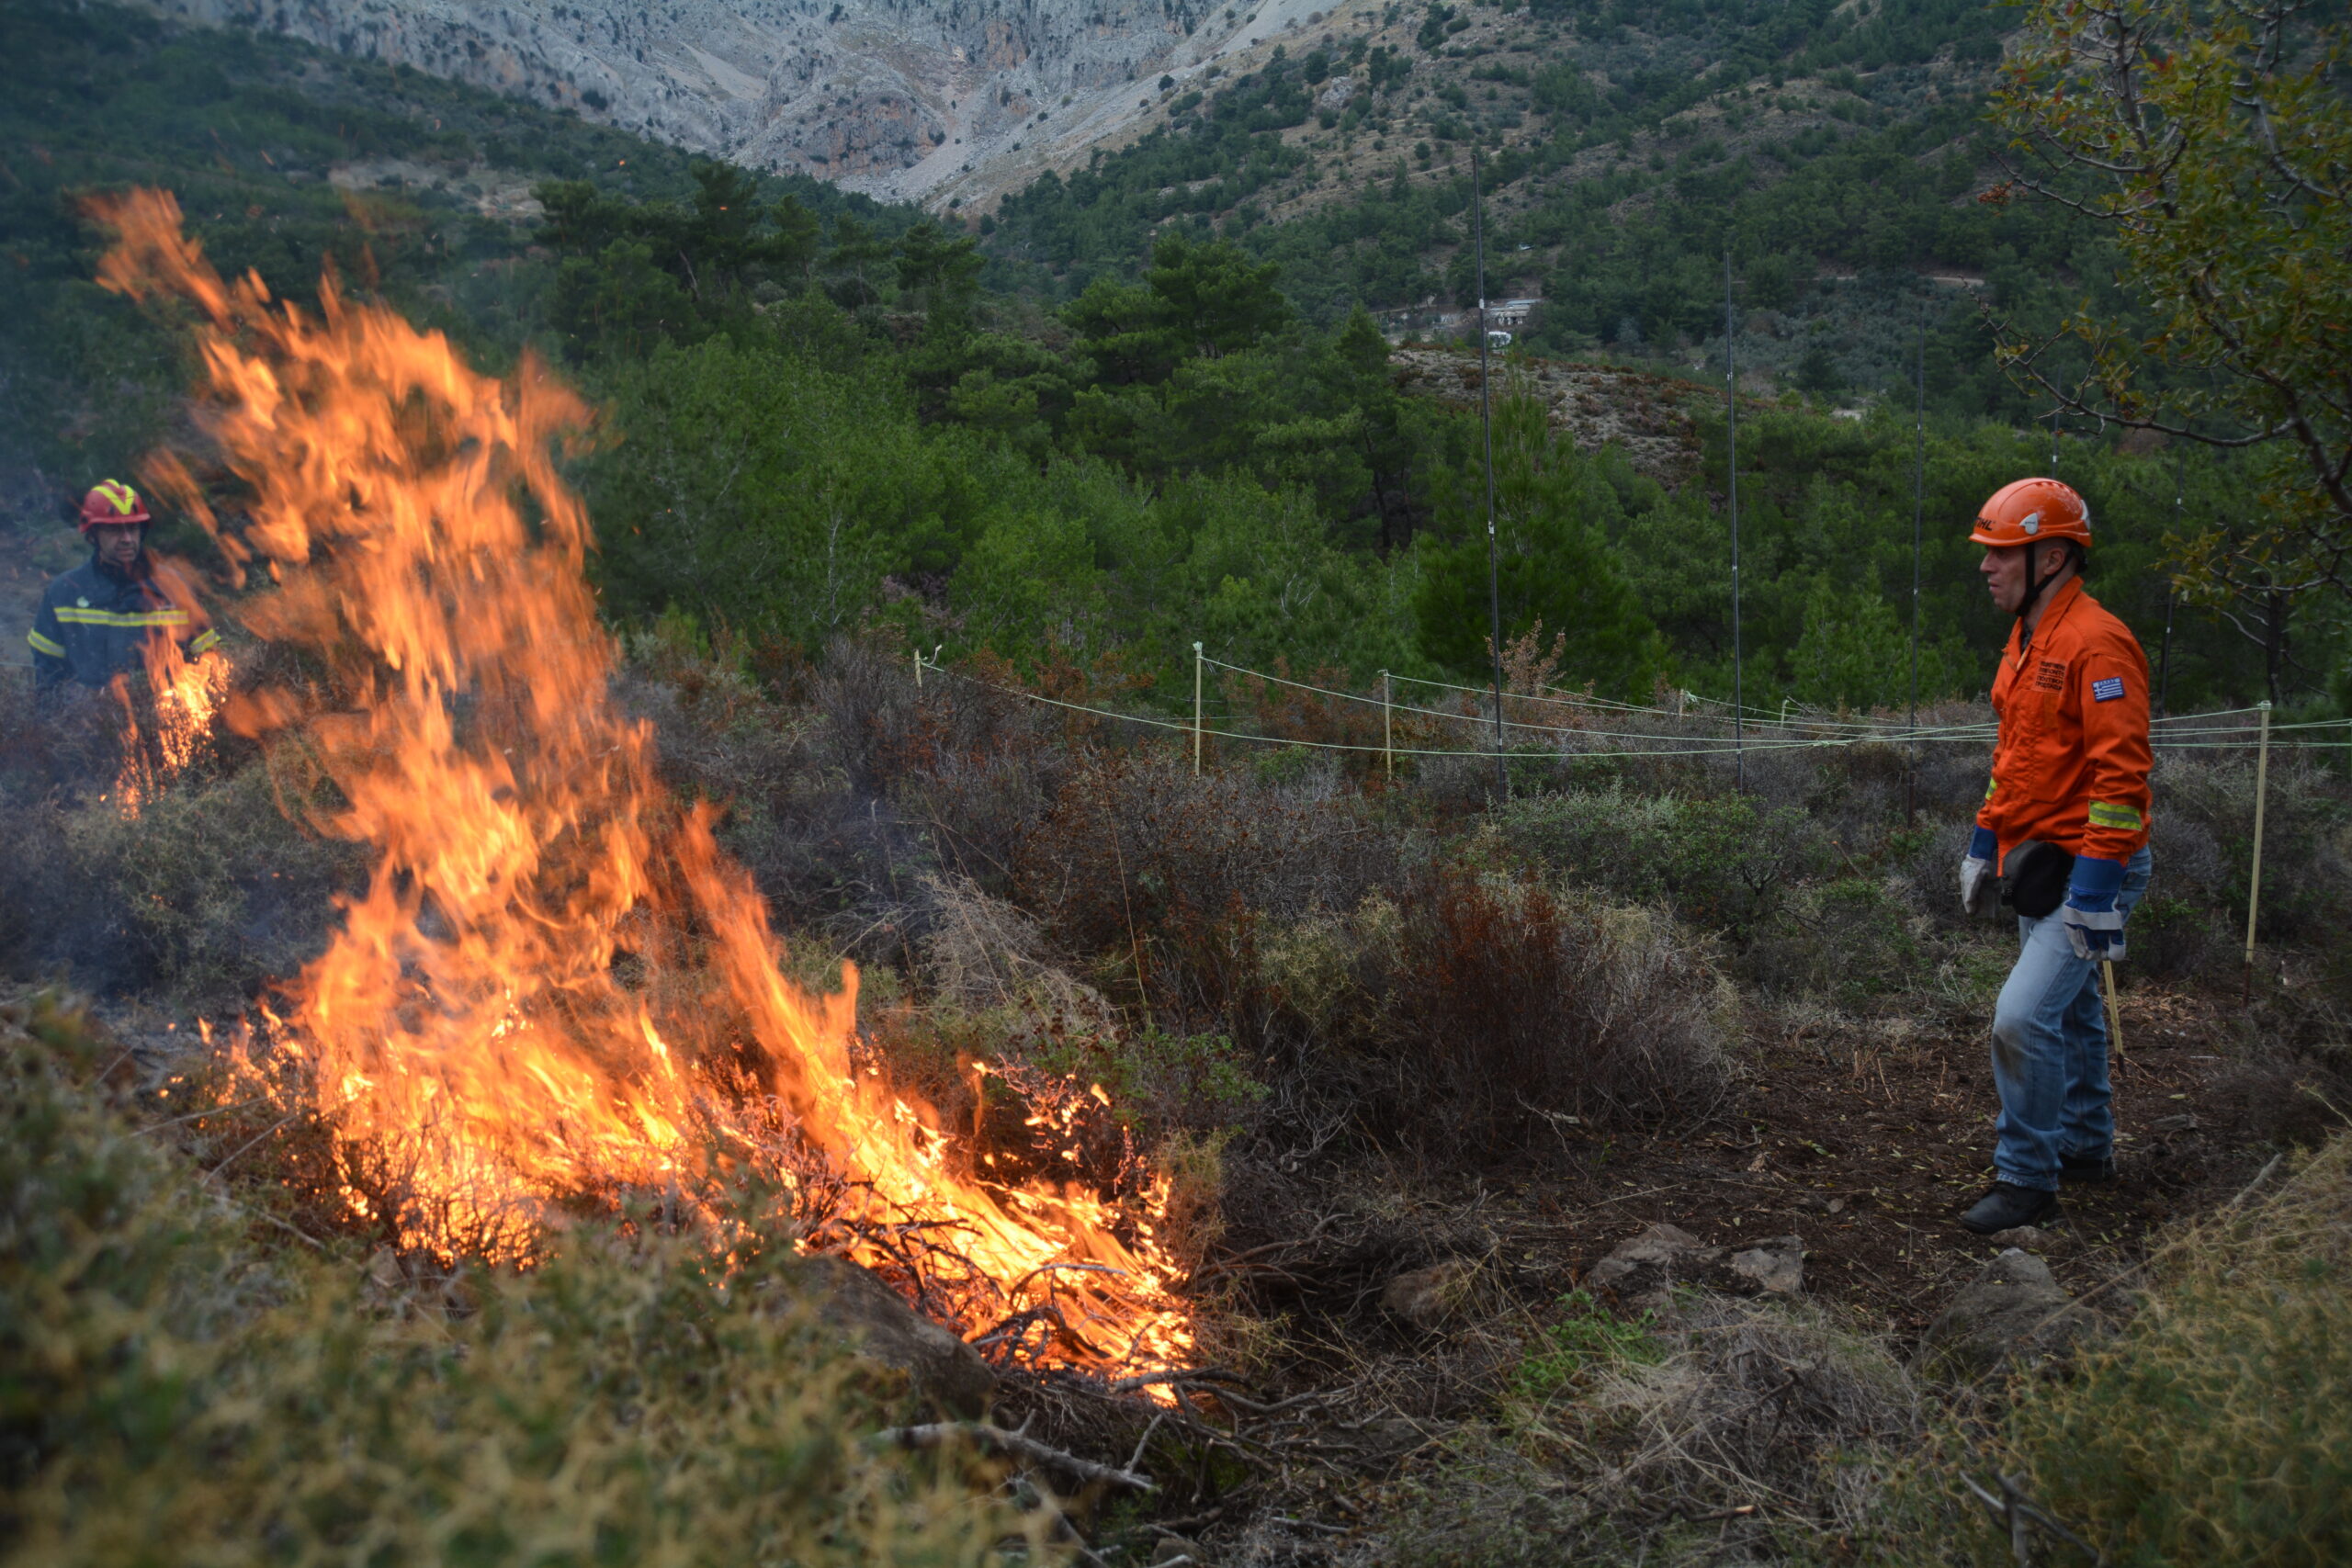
(2050, 1052)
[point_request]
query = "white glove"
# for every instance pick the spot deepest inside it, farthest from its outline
(1976, 871)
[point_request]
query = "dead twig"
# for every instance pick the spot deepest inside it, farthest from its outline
(2017, 1512)
(251, 1143)
(945, 1434)
(1176, 1375)
(1136, 1459)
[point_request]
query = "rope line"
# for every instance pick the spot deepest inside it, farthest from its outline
(1696, 747)
(1968, 730)
(1973, 730)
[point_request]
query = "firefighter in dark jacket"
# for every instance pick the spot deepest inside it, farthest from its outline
(95, 621)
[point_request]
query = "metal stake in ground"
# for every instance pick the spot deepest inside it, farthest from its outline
(1918, 504)
(1730, 442)
(2114, 1009)
(2254, 882)
(1486, 429)
(1197, 666)
(2172, 592)
(1388, 733)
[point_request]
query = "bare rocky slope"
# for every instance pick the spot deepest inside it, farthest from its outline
(934, 101)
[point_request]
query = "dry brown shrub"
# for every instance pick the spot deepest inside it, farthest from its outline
(1510, 1000)
(981, 953)
(1179, 874)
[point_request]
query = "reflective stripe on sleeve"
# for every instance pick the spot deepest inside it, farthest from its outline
(42, 645)
(75, 615)
(206, 641)
(2107, 814)
(1990, 785)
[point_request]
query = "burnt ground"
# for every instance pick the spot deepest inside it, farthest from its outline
(1867, 1149)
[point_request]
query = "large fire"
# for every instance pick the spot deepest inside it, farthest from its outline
(556, 988)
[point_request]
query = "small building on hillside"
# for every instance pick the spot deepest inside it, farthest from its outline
(1432, 319)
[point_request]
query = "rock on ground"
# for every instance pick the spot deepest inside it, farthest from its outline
(1426, 1298)
(870, 1321)
(2014, 1310)
(1644, 1272)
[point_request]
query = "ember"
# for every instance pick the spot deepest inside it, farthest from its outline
(556, 989)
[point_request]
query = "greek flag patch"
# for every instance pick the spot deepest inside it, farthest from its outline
(2106, 691)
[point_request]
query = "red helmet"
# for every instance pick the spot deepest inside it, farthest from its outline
(111, 501)
(2032, 511)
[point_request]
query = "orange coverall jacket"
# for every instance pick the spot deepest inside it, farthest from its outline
(2070, 766)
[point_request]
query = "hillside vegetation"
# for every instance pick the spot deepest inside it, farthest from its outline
(1834, 150)
(906, 533)
(821, 415)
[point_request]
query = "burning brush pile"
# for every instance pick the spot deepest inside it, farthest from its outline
(556, 995)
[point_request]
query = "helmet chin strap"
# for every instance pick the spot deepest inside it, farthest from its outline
(2034, 583)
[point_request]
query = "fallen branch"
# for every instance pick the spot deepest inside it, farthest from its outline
(2015, 1511)
(1178, 1374)
(943, 1434)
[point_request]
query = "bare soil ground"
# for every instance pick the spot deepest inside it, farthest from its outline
(1866, 1149)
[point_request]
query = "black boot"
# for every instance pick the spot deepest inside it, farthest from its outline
(2086, 1167)
(2009, 1206)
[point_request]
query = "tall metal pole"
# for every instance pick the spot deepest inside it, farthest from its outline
(1918, 508)
(1487, 426)
(2172, 595)
(1731, 406)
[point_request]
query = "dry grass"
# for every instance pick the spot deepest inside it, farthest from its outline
(1736, 1432)
(982, 953)
(1757, 1409)
(171, 1390)
(2214, 1429)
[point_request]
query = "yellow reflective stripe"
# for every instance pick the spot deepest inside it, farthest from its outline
(2107, 814)
(42, 645)
(205, 641)
(1990, 785)
(81, 618)
(121, 496)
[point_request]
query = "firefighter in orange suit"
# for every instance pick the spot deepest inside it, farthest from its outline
(2065, 832)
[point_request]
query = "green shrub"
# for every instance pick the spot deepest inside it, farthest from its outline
(1847, 941)
(1719, 862)
(169, 1394)
(2306, 848)
(2215, 1429)
(1163, 1082)
(211, 892)
(1583, 1337)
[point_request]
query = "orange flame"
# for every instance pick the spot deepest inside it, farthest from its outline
(555, 987)
(183, 697)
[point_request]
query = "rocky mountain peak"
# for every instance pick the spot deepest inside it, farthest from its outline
(930, 100)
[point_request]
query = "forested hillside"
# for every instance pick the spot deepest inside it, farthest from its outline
(821, 413)
(1834, 150)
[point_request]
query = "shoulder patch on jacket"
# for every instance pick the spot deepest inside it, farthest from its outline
(2107, 690)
